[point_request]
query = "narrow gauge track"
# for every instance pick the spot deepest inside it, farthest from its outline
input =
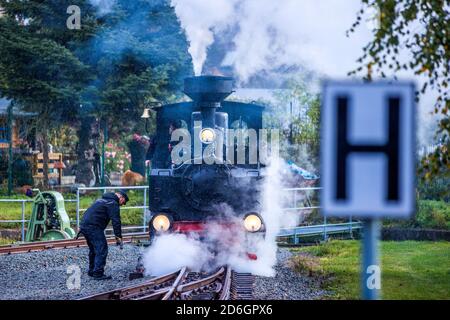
(60, 244)
(223, 284)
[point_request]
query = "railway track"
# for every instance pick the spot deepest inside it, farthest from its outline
(223, 284)
(60, 244)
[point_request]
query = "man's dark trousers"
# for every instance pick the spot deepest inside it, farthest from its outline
(98, 250)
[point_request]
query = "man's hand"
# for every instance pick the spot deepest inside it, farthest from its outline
(119, 242)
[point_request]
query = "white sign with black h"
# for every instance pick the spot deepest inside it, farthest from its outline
(367, 149)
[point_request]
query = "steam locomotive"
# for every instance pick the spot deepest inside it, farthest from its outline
(203, 168)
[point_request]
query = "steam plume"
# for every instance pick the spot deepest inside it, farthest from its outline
(273, 34)
(201, 19)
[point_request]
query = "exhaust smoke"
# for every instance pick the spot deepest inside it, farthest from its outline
(202, 19)
(171, 252)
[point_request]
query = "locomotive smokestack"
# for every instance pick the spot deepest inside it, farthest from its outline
(208, 92)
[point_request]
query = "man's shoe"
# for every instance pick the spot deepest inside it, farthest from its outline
(102, 277)
(90, 273)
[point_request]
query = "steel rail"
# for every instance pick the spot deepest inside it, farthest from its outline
(154, 289)
(201, 282)
(172, 289)
(226, 288)
(132, 292)
(58, 244)
(166, 293)
(216, 286)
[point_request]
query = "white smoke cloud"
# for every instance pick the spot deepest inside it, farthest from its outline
(304, 33)
(275, 33)
(171, 252)
(273, 201)
(201, 19)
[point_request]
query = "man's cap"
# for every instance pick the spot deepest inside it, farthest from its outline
(124, 194)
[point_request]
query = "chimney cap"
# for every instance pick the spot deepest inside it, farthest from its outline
(208, 88)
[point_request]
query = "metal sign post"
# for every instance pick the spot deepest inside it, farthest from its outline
(371, 281)
(368, 160)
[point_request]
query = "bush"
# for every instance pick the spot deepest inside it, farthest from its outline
(433, 214)
(306, 264)
(436, 188)
(430, 214)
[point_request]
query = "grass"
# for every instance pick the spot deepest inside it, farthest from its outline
(13, 211)
(4, 241)
(410, 269)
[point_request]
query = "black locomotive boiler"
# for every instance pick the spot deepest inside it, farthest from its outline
(206, 171)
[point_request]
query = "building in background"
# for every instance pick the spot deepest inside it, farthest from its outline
(23, 144)
(23, 135)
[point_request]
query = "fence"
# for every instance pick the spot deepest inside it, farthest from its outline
(144, 207)
(22, 221)
(142, 228)
(320, 231)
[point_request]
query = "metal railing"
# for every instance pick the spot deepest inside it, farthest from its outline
(294, 206)
(144, 207)
(320, 230)
(23, 220)
(142, 228)
(326, 227)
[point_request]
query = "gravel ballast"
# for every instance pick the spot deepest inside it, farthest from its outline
(287, 284)
(45, 275)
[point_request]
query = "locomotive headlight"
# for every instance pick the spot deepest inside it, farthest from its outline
(161, 223)
(207, 135)
(252, 223)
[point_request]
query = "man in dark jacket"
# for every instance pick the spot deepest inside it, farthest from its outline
(93, 226)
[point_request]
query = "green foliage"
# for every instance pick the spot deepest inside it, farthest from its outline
(5, 241)
(435, 188)
(64, 139)
(433, 214)
(437, 163)
(299, 132)
(38, 66)
(13, 211)
(112, 66)
(306, 264)
(117, 158)
(139, 55)
(39, 73)
(410, 269)
(420, 30)
(110, 69)
(430, 214)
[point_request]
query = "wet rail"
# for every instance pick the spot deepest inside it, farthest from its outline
(222, 284)
(60, 244)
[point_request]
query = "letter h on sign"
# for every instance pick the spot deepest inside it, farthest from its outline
(367, 149)
(344, 148)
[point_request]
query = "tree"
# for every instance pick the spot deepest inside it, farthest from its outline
(139, 54)
(106, 71)
(419, 29)
(300, 140)
(37, 69)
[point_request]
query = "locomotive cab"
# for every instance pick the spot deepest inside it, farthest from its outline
(208, 169)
